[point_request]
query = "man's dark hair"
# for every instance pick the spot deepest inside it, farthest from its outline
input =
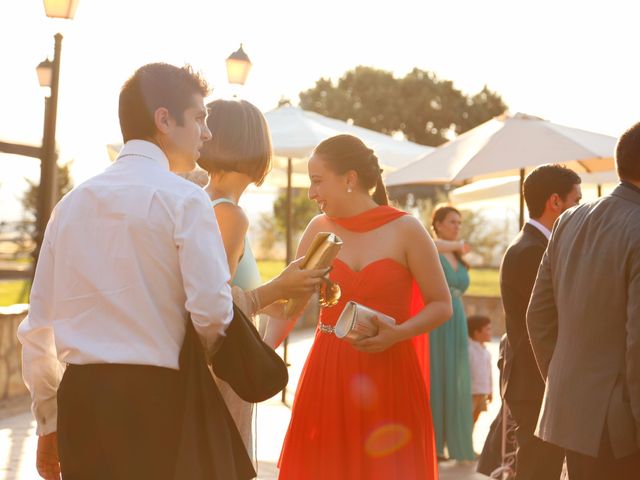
(543, 182)
(154, 86)
(476, 322)
(628, 154)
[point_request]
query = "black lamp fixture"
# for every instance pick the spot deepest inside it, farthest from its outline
(49, 76)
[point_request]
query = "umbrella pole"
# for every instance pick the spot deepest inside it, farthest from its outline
(521, 198)
(289, 256)
(599, 190)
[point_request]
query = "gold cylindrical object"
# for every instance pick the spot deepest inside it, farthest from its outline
(320, 254)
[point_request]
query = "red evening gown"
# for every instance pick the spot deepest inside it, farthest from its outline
(356, 415)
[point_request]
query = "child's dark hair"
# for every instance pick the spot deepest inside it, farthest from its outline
(476, 322)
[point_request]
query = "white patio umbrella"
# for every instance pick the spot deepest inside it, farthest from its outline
(499, 187)
(507, 145)
(296, 132)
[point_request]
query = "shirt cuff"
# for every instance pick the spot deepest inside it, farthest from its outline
(46, 413)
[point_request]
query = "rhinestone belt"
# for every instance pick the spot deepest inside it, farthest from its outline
(326, 328)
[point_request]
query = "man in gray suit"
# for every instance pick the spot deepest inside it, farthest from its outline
(584, 325)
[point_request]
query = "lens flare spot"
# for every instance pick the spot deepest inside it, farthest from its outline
(387, 439)
(363, 391)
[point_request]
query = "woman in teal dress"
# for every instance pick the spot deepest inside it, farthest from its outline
(238, 155)
(450, 378)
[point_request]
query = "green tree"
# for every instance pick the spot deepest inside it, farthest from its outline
(488, 237)
(273, 227)
(365, 95)
(483, 106)
(303, 210)
(426, 109)
(30, 197)
(30, 204)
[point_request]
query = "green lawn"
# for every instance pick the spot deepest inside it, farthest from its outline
(13, 291)
(484, 281)
(269, 268)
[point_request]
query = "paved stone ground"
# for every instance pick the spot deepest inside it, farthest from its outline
(18, 441)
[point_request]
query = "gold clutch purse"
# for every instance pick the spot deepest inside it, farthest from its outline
(320, 254)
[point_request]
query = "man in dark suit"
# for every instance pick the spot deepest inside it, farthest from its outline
(584, 326)
(548, 190)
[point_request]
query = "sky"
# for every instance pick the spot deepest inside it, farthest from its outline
(571, 62)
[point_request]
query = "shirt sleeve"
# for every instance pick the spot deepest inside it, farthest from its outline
(632, 354)
(41, 369)
(204, 268)
(542, 314)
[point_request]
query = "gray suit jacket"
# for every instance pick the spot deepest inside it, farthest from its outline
(584, 324)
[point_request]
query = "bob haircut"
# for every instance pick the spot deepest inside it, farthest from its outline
(240, 141)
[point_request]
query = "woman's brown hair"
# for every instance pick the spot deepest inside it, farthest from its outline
(240, 141)
(439, 214)
(346, 152)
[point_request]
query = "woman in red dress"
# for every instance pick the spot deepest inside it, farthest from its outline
(361, 410)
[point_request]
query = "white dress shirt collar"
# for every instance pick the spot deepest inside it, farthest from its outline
(546, 232)
(146, 149)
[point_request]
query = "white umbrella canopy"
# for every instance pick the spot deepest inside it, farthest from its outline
(500, 187)
(296, 132)
(505, 145)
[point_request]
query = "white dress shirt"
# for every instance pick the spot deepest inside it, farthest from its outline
(545, 231)
(480, 364)
(125, 256)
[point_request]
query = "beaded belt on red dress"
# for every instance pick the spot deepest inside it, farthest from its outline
(326, 328)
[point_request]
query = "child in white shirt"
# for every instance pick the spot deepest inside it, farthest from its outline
(480, 363)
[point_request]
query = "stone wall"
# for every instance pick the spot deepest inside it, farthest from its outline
(11, 384)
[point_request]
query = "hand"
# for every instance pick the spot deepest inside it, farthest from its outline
(490, 398)
(47, 461)
(387, 335)
(296, 282)
(464, 248)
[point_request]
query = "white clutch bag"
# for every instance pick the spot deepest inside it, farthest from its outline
(355, 321)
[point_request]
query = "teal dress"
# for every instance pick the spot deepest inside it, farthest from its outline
(247, 275)
(450, 376)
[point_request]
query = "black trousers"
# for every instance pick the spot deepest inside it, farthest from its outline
(535, 459)
(118, 422)
(604, 466)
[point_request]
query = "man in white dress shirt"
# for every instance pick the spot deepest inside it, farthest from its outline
(127, 256)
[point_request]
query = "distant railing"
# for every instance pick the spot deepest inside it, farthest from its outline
(15, 245)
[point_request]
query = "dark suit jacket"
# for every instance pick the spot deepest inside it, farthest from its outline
(584, 326)
(523, 381)
(211, 447)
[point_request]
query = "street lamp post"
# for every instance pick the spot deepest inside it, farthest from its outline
(238, 67)
(48, 165)
(49, 76)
